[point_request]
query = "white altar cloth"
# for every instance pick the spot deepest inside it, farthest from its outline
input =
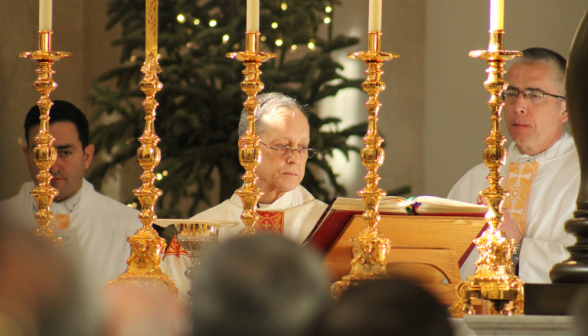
(521, 325)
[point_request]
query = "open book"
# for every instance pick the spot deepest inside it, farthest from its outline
(337, 216)
(420, 205)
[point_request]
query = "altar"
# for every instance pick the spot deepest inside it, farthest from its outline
(478, 325)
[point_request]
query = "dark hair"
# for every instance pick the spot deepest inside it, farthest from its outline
(60, 111)
(386, 307)
(544, 55)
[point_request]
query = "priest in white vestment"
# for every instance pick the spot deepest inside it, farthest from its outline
(94, 227)
(542, 171)
(285, 208)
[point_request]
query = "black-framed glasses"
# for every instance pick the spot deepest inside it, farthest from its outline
(534, 95)
(287, 151)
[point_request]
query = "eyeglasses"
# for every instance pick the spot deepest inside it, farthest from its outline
(287, 151)
(535, 96)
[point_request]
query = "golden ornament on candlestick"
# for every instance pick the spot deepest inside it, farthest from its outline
(249, 153)
(146, 245)
(370, 249)
(44, 153)
(494, 279)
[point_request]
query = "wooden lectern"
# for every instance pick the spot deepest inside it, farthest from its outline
(428, 249)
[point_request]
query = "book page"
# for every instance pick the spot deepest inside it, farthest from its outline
(424, 205)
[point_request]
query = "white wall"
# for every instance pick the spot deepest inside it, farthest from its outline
(456, 115)
(78, 28)
(401, 115)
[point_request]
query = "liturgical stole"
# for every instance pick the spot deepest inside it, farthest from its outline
(519, 179)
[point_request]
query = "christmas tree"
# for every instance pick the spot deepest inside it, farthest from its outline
(201, 100)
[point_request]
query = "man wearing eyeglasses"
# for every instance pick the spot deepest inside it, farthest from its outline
(285, 208)
(542, 172)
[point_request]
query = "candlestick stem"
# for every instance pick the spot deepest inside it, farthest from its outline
(494, 278)
(146, 245)
(44, 153)
(249, 153)
(370, 249)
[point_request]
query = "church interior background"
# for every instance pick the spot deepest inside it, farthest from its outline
(434, 118)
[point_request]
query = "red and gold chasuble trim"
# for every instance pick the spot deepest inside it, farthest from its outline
(271, 222)
(519, 180)
(175, 249)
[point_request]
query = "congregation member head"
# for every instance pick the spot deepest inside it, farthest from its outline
(534, 102)
(285, 144)
(258, 285)
(69, 127)
(40, 292)
(387, 307)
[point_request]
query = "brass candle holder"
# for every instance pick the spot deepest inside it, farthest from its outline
(249, 153)
(494, 278)
(146, 245)
(44, 153)
(370, 249)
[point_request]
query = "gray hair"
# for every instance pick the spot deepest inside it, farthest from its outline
(260, 285)
(268, 102)
(549, 57)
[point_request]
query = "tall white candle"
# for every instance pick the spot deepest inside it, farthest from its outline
(375, 15)
(252, 15)
(45, 12)
(496, 15)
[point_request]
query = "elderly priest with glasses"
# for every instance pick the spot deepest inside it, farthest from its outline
(285, 208)
(542, 172)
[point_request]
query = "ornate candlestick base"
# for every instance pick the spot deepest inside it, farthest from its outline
(144, 269)
(494, 278)
(44, 153)
(146, 245)
(249, 154)
(370, 249)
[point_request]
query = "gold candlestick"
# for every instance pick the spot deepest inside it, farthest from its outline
(494, 278)
(249, 153)
(370, 249)
(146, 245)
(44, 153)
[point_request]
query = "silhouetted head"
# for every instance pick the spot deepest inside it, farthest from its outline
(391, 308)
(259, 285)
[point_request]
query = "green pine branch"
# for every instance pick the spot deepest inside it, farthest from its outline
(201, 99)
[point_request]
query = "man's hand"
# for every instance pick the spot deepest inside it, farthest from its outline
(508, 226)
(511, 228)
